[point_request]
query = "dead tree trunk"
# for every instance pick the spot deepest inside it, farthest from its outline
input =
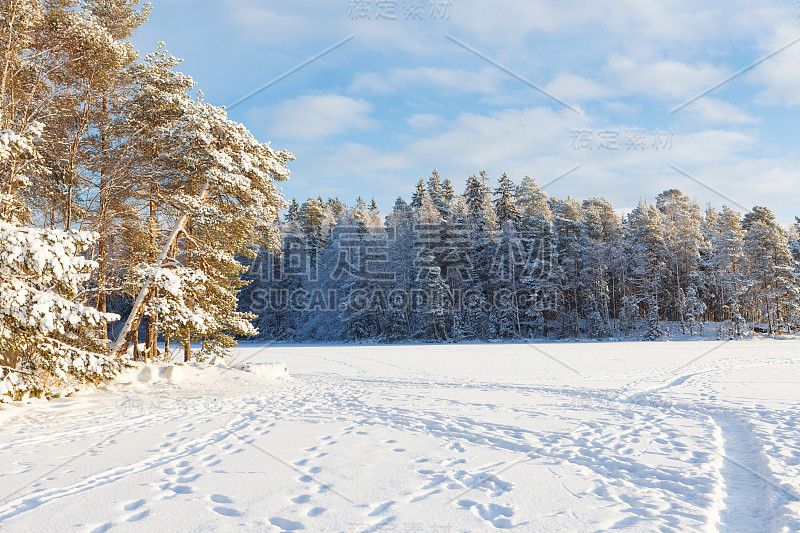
(126, 335)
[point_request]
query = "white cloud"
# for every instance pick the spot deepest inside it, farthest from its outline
(632, 58)
(661, 79)
(265, 24)
(424, 120)
(780, 74)
(536, 142)
(312, 118)
(571, 87)
(458, 81)
(712, 111)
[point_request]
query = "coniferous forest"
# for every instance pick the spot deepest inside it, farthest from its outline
(511, 262)
(135, 216)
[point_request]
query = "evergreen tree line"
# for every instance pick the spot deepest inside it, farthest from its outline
(514, 263)
(123, 194)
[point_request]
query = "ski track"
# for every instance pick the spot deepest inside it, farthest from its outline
(722, 481)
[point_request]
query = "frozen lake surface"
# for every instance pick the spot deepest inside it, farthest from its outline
(623, 436)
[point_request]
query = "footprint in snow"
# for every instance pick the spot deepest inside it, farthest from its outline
(285, 524)
(138, 516)
(497, 515)
(382, 508)
(178, 489)
(227, 511)
(220, 498)
(211, 460)
(132, 506)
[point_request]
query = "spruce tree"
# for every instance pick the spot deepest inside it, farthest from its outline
(505, 201)
(419, 194)
(435, 299)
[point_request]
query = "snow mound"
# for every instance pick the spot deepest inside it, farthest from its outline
(150, 373)
(170, 373)
(269, 370)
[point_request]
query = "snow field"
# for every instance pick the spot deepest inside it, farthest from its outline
(560, 436)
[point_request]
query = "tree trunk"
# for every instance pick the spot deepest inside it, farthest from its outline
(7, 62)
(102, 251)
(68, 208)
(133, 335)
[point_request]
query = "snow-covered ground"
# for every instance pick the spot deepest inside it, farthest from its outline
(666, 436)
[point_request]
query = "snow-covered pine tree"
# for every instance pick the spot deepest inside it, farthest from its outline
(508, 266)
(773, 284)
(629, 315)
(18, 157)
(292, 211)
(645, 247)
(475, 289)
(794, 239)
(217, 177)
(435, 300)
(311, 217)
(567, 228)
(505, 204)
(729, 267)
(108, 209)
(400, 247)
(448, 193)
(48, 337)
(600, 237)
(475, 198)
(365, 286)
(436, 193)
(537, 240)
(681, 220)
(427, 240)
(157, 99)
(694, 309)
(419, 194)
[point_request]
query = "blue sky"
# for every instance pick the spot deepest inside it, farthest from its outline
(402, 98)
